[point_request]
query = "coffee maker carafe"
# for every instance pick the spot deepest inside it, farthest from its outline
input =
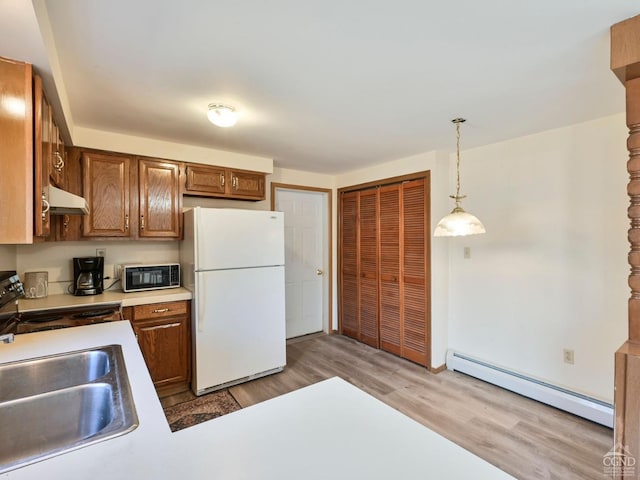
(87, 275)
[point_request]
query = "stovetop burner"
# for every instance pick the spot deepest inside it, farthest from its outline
(70, 317)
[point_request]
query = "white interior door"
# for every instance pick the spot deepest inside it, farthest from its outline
(306, 258)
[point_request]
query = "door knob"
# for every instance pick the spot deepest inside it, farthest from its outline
(319, 272)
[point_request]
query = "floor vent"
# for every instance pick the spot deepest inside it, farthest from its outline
(581, 405)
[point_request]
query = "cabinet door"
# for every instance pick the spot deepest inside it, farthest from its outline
(204, 180)
(349, 284)
(16, 147)
(247, 185)
(56, 167)
(163, 333)
(368, 256)
(160, 199)
(42, 159)
(68, 227)
(106, 182)
(164, 345)
(390, 305)
(415, 221)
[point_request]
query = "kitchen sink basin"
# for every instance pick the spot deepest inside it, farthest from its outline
(52, 405)
(23, 379)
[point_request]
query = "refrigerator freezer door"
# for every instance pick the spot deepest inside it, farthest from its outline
(232, 238)
(239, 325)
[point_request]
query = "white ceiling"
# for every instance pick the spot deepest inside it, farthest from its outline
(331, 86)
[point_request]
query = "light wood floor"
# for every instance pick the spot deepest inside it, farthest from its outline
(525, 438)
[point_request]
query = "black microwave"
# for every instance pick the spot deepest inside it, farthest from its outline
(150, 277)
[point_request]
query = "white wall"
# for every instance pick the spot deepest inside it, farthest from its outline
(436, 162)
(550, 273)
(7, 257)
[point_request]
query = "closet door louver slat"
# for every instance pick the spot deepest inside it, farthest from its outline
(369, 267)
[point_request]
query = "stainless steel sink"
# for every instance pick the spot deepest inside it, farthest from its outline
(52, 405)
(24, 379)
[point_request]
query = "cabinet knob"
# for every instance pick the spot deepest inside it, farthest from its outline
(126, 222)
(222, 179)
(45, 206)
(141, 222)
(160, 310)
(59, 163)
(234, 182)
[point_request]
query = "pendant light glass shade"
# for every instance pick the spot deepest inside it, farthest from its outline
(458, 223)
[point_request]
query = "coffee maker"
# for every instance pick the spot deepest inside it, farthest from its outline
(87, 275)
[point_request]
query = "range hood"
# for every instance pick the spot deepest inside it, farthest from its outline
(65, 203)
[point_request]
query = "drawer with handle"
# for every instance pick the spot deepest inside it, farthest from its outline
(159, 310)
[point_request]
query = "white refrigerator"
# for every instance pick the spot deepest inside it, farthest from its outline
(233, 262)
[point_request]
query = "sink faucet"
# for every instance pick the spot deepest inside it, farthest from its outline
(7, 338)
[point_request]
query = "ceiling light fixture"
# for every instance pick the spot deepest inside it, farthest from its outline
(458, 223)
(222, 115)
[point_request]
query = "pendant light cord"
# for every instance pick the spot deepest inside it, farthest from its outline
(458, 159)
(458, 197)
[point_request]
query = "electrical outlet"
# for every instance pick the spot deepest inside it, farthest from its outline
(467, 252)
(567, 355)
(117, 271)
(101, 252)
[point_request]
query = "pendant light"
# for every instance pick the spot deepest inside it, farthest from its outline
(458, 223)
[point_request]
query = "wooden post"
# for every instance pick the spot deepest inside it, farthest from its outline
(625, 62)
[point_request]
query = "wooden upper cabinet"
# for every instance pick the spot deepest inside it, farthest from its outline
(42, 160)
(205, 180)
(212, 181)
(106, 185)
(160, 201)
(16, 152)
(249, 185)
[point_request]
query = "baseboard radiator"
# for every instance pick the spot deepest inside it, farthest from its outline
(578, 404)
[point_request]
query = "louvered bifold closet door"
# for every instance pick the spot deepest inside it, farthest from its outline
(349, 264)
(390, 305)
(414, 289)
(368, 250)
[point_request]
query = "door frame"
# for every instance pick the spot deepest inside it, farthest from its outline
(329, 327)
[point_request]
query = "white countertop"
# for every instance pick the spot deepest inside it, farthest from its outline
(52, 302)
(328, 430)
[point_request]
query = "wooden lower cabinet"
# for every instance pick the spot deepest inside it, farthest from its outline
(163, 333)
